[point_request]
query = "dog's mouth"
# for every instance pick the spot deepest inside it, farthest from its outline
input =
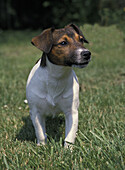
(81, 65)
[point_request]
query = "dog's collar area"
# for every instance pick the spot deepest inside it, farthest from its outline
(57, 71)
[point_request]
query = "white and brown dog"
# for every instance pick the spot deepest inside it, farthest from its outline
(52, 86)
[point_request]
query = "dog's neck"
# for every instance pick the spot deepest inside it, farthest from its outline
(57, 79)
(57, 71)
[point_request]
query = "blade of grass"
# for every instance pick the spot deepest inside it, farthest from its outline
(5, 161)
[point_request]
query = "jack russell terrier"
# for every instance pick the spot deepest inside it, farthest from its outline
(52, 85)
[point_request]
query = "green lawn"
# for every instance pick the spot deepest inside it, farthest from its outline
(100, 142)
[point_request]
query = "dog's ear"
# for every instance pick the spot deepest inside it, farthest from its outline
(76, 28)
(44, 41)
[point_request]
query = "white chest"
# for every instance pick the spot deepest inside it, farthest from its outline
(52, 89)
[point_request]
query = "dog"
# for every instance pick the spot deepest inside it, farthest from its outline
(52, 86)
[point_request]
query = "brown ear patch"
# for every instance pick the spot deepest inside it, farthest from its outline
(44, 40)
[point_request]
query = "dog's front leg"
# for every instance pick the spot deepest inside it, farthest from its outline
(71, 127)
(39, 125)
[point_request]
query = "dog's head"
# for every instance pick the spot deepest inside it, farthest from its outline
(64, 46)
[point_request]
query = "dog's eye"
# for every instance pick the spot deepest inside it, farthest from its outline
(63, 43)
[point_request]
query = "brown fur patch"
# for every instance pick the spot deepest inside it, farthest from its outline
(60, 53)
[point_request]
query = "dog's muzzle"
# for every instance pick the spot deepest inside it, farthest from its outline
(82, 59)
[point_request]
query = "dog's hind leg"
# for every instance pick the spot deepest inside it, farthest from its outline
(39, 125)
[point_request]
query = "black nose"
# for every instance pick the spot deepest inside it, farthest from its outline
(86, 54)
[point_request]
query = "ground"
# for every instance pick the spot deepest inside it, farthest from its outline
(100, 142)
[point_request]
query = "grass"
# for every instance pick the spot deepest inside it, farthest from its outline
(100, 142)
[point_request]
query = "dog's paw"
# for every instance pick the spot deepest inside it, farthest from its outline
(68, 145)
(40, 143)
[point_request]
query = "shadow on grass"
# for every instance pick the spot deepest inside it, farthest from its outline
(54, 129)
